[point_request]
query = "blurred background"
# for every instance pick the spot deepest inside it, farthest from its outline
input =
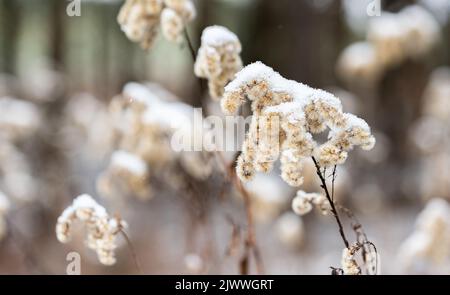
(58, 78)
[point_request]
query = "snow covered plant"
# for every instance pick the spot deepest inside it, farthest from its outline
(4, 208)
(145, 123)
(302, 112)
(141, 19)
(427, 249)
(286, 117)
(101, 229)
(218, 58)
(391, 38)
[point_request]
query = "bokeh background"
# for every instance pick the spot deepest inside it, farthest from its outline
(58, 75)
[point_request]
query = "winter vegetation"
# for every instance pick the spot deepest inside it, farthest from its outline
(225, 137)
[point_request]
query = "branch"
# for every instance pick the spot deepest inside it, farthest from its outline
(330, 200)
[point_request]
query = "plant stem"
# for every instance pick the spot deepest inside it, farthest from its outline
(251, 244)
(332, 182)
(132, 251)
(330, 200)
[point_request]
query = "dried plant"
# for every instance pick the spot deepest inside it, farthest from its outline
(146, 124)
(302, 111)
(141, 19)
(218, 58)
(101, 229)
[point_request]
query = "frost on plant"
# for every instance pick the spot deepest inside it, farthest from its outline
(101, 229)
(301, 112)
(146, 120)
(125, 172)
(304, 202)
(141, 19)
(218, 58)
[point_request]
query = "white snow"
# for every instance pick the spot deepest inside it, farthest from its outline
(87, 202)
(129, 161)
(217, 36)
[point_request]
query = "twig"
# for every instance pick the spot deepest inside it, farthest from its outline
(361, 236)
(132, 251)
(333, 207)
(332, 182)
(193, 56)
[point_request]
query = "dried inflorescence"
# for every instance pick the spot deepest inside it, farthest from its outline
(391, 39)
(348, 261)
(146, 124)
(125, 172)
(4, 208)
(101, 229)
(304, 202)
(286, 115)
(218, 58)
(140, 19)
(429, 244)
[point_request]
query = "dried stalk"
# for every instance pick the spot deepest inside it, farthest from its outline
(330, 200)
(251, 245)
(132, 251)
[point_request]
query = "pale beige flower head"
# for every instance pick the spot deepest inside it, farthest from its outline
(101, 229)
(286, 116)
(140, 19)
(218, 58)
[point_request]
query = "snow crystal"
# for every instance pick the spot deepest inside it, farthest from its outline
(255, 71)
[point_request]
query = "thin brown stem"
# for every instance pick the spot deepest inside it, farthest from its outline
(333, 207)
(332, 182)
(193, 56)
(251, 244)
(132, 251)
